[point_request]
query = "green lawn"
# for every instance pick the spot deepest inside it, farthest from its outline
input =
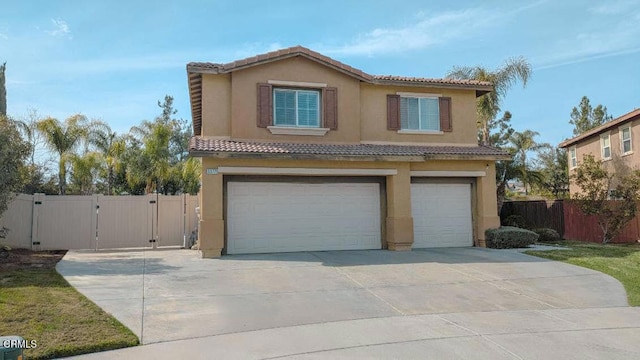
(620, 261)
(38, 304)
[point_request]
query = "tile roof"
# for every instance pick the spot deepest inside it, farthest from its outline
(196, 69)
(203, 146)
(632, 115)
(431, 80)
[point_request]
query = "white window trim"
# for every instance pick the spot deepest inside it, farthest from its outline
(296, 108)
(297, 83)
(302, 130)
(419, 96)
(574, 157)
(602, 147)
(421, 132)
(620, 129)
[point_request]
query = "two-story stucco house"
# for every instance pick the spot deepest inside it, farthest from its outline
(614, 139)
(301, 152)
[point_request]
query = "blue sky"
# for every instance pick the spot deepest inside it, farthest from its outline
(113, 60)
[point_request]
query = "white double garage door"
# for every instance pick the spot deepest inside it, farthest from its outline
(266, 217)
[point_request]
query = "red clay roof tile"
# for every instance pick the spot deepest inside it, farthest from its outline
(202, 146)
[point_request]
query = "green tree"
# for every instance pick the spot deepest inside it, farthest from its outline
(84, 170)
(502, 78)
(608, 194)
(552, 165)
(522, 143)
(62, 138)
(500, 131)
(585, 117)
(152, 163)
(163, 143)
(14, 151)
(3, 90)
(111, 147)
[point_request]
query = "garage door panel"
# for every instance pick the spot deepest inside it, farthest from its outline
(441, 215)
(282, 217)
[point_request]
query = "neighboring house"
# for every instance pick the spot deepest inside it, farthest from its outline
(303, 153)
(612, 140)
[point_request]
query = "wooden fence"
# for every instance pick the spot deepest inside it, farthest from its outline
(565, 217)
(536, 213)
(67, 222)
(585, 228)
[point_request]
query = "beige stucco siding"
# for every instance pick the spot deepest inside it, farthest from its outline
(592, 146)
(216, 105)
(298, 69)
(399, 221)
(373, 104)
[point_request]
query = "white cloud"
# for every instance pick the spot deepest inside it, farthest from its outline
(4, 32)
(427, 30)
(61, 28)
(614, 7)
(615, 38)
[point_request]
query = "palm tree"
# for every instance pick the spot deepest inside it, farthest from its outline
(63, 138)
(153, 163)
(503, 78)
(110, 146)
(523, 143)
(84, 169)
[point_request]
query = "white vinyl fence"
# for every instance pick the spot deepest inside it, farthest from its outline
(67, 222)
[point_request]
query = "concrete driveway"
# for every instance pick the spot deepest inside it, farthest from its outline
(437, 303)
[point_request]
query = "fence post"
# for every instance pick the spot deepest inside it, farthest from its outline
(95, 225)
(38, 199)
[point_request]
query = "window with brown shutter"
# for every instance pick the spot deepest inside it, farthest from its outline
(330, 107)
(265, 105)
(445, 114)
(393, 112)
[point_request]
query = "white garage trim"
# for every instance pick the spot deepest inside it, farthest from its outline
(240, 170)
(448, 173)
(267, 217)
(442, 215)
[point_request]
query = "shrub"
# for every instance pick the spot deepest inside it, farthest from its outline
(515, 221)
(509, 237)
(546, 234)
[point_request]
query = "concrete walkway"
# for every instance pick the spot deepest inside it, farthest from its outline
(439, 303)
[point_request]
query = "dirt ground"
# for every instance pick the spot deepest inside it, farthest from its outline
(24, 258)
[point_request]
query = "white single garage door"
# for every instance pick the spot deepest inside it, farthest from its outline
(265, 217)
(441, 215)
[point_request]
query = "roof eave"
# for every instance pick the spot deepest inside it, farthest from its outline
(288, 156)
(617, 122)
(480, 89)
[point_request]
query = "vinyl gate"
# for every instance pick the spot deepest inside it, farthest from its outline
(100, 222)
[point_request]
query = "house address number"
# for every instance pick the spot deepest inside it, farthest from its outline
(212, 171)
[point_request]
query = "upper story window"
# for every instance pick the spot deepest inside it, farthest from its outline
(605, 146)
(573, 158)
(625, 140)
(297, 108)
(419, 113)
(415, 113)
(293, 107)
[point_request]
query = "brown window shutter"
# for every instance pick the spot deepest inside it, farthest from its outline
(265, 105)
(330, 108)
(445, 114)
(393, 112)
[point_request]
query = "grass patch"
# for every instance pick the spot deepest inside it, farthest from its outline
(620, 261)
(38, 304)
